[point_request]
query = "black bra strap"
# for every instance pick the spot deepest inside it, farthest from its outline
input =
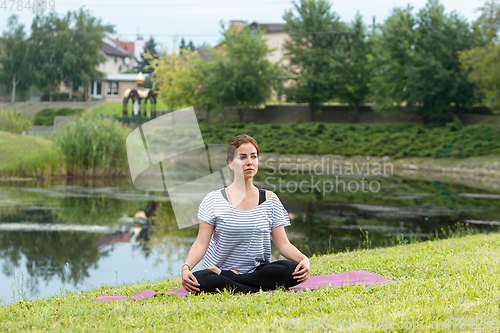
(262, 195)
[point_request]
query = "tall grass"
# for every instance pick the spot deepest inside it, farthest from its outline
(14, 121)
(43, 163)
(93, 145)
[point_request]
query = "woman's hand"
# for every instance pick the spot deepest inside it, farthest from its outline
(189, 282)
(302, 271)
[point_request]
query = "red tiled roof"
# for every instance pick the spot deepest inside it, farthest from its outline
(127, 46)
(112, 51)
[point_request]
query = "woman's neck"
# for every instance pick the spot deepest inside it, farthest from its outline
(243, 184)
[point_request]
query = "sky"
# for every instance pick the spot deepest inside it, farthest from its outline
(199, 21)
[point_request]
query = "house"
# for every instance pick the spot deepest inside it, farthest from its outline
(120, 61)
(274, 35)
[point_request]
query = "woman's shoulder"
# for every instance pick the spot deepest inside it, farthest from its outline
(212, 194)
(269, 194)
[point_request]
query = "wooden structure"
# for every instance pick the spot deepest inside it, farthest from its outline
(137, 95)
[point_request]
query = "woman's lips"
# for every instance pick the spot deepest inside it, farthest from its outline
(248, 170)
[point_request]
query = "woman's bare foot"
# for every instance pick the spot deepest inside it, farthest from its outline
(214, 269)
(234, 271)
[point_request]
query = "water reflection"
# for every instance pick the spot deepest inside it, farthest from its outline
(81, 233)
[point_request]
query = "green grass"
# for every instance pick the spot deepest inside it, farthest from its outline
(29, 156)
(117, 108)
(439, 280)
(16, 146)
(91, 145)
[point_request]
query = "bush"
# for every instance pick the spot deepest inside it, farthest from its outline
(14, 121)
(361, 139)
(63, 97)
(46, 116)
(94, 144)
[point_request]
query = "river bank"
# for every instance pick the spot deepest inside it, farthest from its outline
(439, 281)
(476, 166)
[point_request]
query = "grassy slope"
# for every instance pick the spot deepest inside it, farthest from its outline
(117, 107)
(453, 278)
(15, 146)
(32, 108)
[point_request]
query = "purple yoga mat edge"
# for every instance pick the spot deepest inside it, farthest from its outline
(313, 283)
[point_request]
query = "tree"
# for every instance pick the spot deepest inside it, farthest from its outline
(207, 84)
(394, 49)
(150, 52)
(419, 63)
(435, 79)
(314, 35)
(487, 25)
(241, 75)
(82, 54)
(15, 67)
(48, 35)
(183, 45)
(174, 78)
(110, 28)
(352, 66)
(482, 62)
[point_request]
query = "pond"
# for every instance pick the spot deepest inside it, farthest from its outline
(71, 235)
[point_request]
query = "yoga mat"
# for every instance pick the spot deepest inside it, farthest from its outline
(314, 282)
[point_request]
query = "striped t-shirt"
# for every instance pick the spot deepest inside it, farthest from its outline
(241, 238)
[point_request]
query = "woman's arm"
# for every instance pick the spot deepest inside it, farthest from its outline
(289, 251)
(196, 253)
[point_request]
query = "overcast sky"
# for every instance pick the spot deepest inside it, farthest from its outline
(199, 20)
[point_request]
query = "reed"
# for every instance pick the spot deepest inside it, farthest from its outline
(14, 121)
(93, 145)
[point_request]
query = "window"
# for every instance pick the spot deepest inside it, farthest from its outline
(95, 89)
(112, 88)
(98, 88)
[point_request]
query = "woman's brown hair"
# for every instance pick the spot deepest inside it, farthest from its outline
(235, 143)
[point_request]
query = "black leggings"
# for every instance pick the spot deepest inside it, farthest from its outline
(267, 276)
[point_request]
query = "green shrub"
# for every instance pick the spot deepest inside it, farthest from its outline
(361, 139)
(94, 144)
(14, 121)
(46, 116)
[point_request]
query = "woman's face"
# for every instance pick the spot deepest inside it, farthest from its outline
(246, 161)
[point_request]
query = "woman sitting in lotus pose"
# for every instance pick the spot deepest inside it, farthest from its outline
(234, 230)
